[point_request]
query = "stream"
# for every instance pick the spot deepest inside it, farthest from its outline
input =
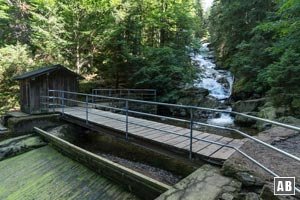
(217, 82)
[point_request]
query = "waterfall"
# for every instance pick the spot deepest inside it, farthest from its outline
(217, 82)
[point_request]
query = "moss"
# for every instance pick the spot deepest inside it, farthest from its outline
(19, 145)
(46, 174)
(13, 140)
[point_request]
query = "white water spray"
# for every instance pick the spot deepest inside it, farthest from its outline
(217, 82)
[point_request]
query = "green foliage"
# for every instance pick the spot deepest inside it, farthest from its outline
(231, 23)
(259, 42)
(284, 73)
(14, 60)
(126, 43)
(88, 86)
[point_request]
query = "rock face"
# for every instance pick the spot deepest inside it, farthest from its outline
(195, 97)
(19, 145)
(248, 105)
(244, 121)
(205, 183)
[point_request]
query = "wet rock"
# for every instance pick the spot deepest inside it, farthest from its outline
(290, 120)
(194, 97)
(252, 196)
(19, 145)
(266, 113)
(241, 174)
(248, 196)
(224, 82)
(248, 105)
(229, 188)
(227, 196)
(268, 193)
(245, 121)
(248, 179)
(196, 92)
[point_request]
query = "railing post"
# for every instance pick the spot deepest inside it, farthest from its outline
(191, 134)
(126, 119)
(63, 102)
(53, 101)
(87, 109)
(93, 93)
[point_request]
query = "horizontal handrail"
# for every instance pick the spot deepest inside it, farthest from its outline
(105, 89)
(187, 107)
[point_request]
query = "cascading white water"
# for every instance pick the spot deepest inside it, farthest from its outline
(217, 82)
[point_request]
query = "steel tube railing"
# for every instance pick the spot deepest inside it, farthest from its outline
(194, 107)
(199, 108)
(181, 120)
(191, 122)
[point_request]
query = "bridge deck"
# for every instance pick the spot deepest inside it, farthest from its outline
(110, 120)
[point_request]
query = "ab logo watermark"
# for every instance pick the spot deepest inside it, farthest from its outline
(284, 185)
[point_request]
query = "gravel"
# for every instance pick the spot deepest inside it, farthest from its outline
(153, 172)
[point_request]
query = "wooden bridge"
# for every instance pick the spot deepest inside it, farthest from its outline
(123, 120)
(158, 132)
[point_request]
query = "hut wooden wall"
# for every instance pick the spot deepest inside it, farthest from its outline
(34, 88)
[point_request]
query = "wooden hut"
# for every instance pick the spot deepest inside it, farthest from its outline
(34, 85)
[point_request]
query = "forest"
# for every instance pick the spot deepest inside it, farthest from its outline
(147, 44)
(130, 44)
(259, 42)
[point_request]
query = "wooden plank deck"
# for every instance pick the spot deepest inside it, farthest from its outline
(137, 128)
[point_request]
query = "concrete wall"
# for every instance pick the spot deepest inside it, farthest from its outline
(142, 186)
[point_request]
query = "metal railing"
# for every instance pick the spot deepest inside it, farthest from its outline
(138, 94)
(141, 94)
(62, 100)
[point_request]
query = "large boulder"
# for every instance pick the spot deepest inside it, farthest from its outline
(266, 113)
(195, 97)
(248, 105)
(245, 121)
(290, 120)
(193, 92)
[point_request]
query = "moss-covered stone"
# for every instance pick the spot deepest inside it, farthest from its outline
(248, 105)
(19, 145)
(245, 121)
